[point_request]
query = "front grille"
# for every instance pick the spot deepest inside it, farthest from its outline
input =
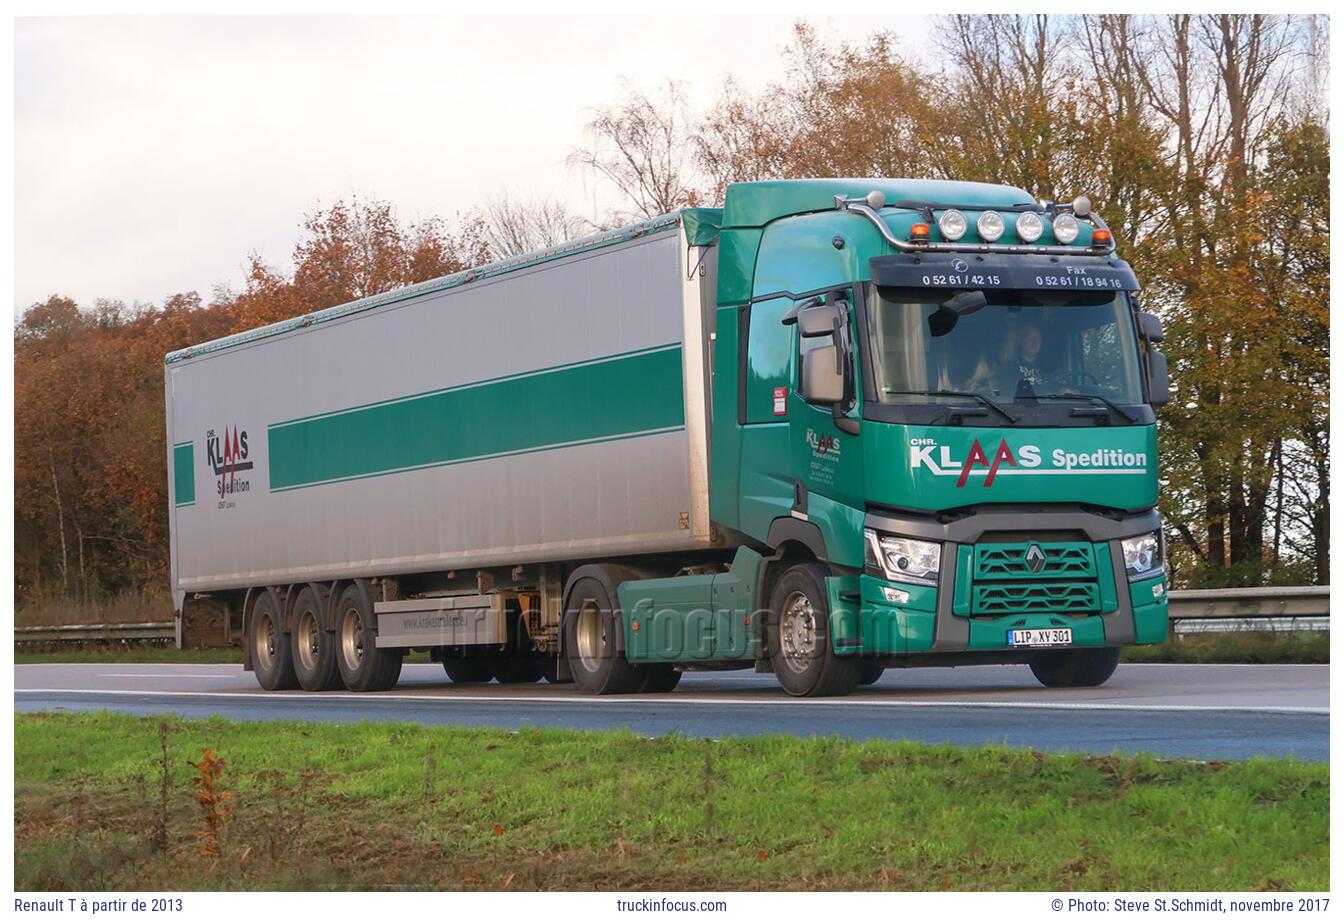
(1014, 561)
(1056, 597)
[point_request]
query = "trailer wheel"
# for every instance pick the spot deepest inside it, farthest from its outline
(590, 629)
(271, 658)
(363, 666)
(870, 673)
(314, 648)
(800, 637)
(1079, 667)
(659, 678)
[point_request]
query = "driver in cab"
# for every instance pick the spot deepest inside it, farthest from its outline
(1018, 368)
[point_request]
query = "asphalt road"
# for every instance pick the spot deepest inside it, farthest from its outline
(1201, 712)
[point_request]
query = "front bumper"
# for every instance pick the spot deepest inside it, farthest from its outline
(957, 615)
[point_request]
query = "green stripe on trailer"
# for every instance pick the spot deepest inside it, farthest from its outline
(621, 397)
(184, 474)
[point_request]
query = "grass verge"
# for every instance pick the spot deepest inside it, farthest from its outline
(106, 801)
(1245, 647)
(126, 607)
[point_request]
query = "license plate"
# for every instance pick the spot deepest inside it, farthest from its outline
(1037, 638)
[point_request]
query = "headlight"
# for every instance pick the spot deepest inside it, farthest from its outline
(1066, 228)
(1029, 226)
(901, 558)
(952, 225)
(1143, 555)
(989, 225)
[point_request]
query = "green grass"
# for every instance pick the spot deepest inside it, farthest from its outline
(1245, 647)
(378, 806)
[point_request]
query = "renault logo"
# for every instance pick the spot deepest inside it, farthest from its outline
(1035, 559)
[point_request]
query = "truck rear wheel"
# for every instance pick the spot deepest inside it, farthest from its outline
(870, 673)
(1076, 667)
(271, 660)
(800, 637)
(591, 628)
(363, 666)
(313, 646)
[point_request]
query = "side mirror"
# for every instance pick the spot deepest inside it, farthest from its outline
(1150, 327)
(818, 321)
(823, 376)
(1159, 381)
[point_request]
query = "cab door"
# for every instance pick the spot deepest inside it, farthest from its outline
(824, 438)
(766, 489)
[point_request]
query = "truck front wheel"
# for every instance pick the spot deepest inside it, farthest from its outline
(591, 627)
(800, 637)
(269, 645)
(1081, 667)
(363, 665)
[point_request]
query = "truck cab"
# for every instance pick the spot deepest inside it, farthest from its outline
(933, 417)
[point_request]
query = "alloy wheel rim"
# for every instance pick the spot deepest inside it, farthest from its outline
(352, 639)
(798, 632)
(590, 636)
(264, 649)
(308, 641)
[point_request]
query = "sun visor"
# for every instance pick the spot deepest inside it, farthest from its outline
(989, 271)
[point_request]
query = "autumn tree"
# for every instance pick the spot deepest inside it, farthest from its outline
(643, 148)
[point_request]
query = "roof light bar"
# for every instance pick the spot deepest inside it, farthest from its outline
(864, 206)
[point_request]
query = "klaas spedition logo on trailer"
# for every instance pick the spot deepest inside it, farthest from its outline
(226, 455)
(1026, 460)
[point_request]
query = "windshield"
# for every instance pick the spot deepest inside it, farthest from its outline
(1022, 345)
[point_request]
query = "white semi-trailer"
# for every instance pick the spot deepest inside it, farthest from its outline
(550, 407)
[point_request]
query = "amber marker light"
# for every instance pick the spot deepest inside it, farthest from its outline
(919, 233)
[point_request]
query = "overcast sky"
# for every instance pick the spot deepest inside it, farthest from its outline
(152, 153)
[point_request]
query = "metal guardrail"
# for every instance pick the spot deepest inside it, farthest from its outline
(1250, 603)
(1219, 609)
(96, 632)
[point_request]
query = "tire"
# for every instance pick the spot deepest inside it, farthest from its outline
(518, 662)
(870, 673)
(659, 678)
(1083, 667)
(313, 645)
(799, 634)
(591, 627)
(472, 668)
(269, 645)
(364, 667)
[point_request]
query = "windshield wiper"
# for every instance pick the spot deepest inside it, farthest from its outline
(964, 394)
(1101, 399)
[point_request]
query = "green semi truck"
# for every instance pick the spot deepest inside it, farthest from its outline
(833, 427)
